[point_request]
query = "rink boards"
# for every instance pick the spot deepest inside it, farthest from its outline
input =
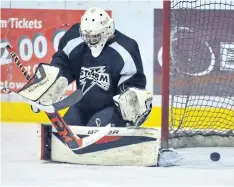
(200, 116)
(23, 114)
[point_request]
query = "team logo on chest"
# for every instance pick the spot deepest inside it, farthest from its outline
(89, 77)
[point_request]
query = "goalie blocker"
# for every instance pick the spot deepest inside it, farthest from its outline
(46, 86)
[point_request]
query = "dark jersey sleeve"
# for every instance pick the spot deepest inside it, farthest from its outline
(60, 58)
(132, 76)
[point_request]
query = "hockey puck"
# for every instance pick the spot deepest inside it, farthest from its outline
(215, 156)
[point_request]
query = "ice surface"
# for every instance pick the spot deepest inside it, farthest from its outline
(20, 166)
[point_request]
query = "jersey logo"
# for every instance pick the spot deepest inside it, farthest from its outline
(89, 77)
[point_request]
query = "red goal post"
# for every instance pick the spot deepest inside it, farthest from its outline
(198, 73)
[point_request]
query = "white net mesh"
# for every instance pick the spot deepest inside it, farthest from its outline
(202, 72)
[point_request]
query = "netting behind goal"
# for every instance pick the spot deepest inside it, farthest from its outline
(201, 80)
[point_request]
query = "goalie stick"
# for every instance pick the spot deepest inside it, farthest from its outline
(67, 102)
(67, 136)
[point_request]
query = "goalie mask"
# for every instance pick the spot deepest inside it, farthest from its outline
(134, 105)
(95, 29)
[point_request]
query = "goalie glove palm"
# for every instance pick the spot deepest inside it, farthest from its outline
(134, 105)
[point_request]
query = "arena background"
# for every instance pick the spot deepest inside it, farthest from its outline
(40, 25)
(52, 18)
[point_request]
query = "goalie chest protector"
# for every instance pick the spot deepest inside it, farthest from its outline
(102, 77)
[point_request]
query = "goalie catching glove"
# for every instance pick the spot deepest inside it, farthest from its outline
(46, 87)
(134, 105)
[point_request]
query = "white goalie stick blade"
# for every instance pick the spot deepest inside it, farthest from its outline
(67, 102)
(89, 140)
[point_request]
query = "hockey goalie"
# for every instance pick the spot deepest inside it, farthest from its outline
(107, 67)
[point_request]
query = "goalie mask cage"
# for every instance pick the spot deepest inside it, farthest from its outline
(198, 73)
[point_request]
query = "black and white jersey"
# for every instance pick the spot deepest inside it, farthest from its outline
(118, 67)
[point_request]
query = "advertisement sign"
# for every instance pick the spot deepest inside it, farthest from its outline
(201, 51)
(34, 34)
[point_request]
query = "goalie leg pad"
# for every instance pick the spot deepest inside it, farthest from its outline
(46, 86)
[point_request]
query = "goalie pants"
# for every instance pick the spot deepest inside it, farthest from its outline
(110, 114)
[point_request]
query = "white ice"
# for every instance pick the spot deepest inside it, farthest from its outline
(20, 166)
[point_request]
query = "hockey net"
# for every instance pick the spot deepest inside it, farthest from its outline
(200, 73)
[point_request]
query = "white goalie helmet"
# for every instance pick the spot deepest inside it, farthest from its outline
(96, 28)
